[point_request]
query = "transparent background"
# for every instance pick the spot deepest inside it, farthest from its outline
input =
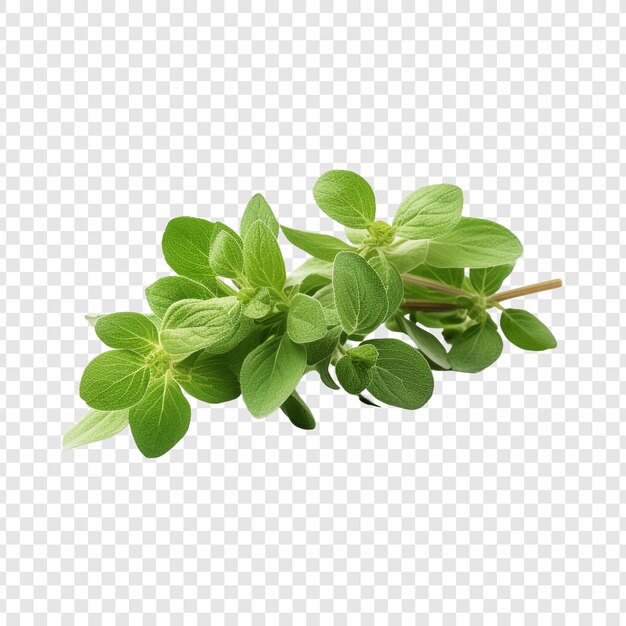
(501, 502)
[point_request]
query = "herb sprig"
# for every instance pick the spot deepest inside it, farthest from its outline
(232, 322)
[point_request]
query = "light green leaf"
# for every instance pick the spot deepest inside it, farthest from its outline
(346, 197)
(263, 261)
(473, 243)
(132, 331)
(525, 331)
(488, 280)
(186, 243)
(392, 282)
(226, 255)
(95, 426)
(323, 247)
(429, 212)
(401, 376)
(270, 373)
(161, 419)
(356, 235)
(165, 291)
(326, 297)
(360, 295)
(476, 348)
(427, 344)
(405, 254)
(259, 304)
(306, 321)
(93, 318)
(114, 380)
(207, 377)
(353, 376)
(314, 272)
(366, 355)
(258, 209)
(191, 325)
(298, 412)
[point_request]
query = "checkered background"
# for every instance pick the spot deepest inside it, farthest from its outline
(501, 502)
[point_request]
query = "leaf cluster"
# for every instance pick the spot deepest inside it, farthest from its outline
(232, 322)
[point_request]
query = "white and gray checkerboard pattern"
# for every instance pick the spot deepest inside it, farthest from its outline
(502, 502)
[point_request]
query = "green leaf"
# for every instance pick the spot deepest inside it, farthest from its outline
(392, 282)
(401, 376)
(132, 331)
(298, 412)
(346, 197)
(314, 272)
(323, 247)
(323, 348)
(161, 419)
(326, 297)
(306, 321)
(427, 344)
(263, 261)
(452, 276)
(406, 255)
(366, 355)
(186, 243)
(474, 243)
(226, 255)
(352, 375)
(476, 348)
(258, 209)
(489, 279)
(93, 318)
(270, 373)
(114, 380)
(207, 377)
(322, 369)
(191, 325)
(429, 212)
(259, 304)
(360, 295)
(525, 331)
(165, 291)
(95, 426)
(356, 235)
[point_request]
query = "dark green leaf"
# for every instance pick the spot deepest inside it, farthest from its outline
(427, 344)
(322, 369)
(298, 412)
(489, 279)
(476, 348)
(525, 331)
(207, 377)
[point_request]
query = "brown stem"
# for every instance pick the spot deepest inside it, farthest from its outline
(525, 291)
(427, 305)
(433, 284)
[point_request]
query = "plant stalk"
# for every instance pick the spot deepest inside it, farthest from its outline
(433, 284)
(527, 290)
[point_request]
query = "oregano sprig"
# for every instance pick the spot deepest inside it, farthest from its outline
(232, 321)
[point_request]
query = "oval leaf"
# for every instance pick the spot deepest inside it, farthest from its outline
(191, 325)
(353, 376)
(474, 243)
(429, 212)
(401, 376)
(476, 348)
(132, 331)
(270, 373)
(186, 243)
(346, 197)
(360, 296)
(427, 344)
(226, 255)
(525, 331)
(263, 261)
(116, 379)
(165, 291)
(258, 210)
(392, 282)
(161, 419)
(489, 279)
